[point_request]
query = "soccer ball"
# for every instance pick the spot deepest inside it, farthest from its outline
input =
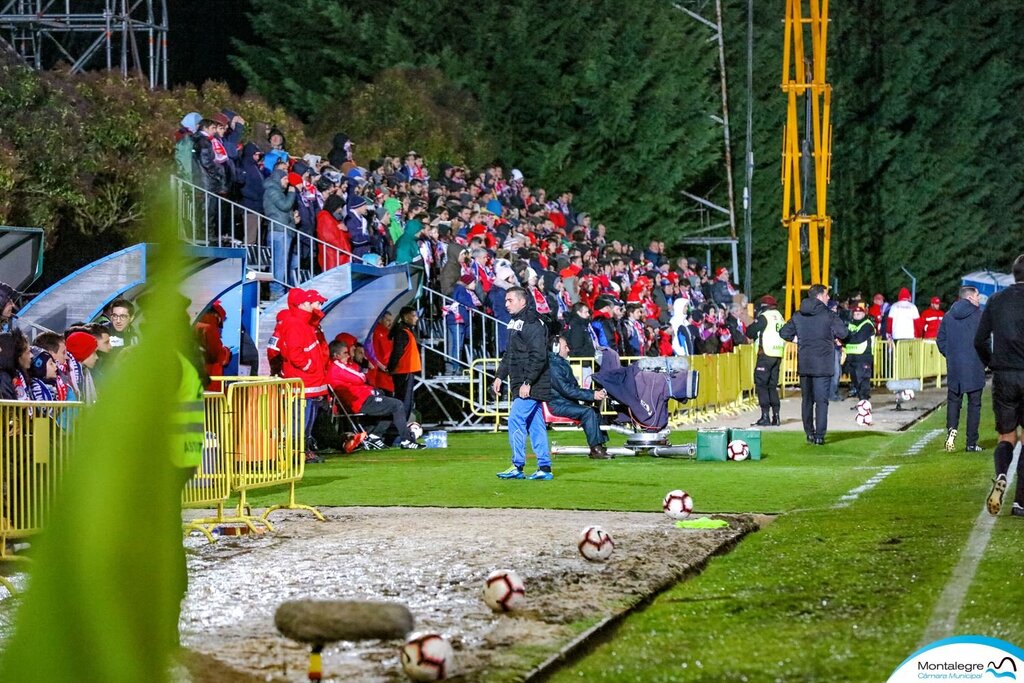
(416, 430)
(677, 504)
(907, 395)
(864, 407)
(595, 544)
(864, 420)
(737, 450)
(504, 590)
(427, 657)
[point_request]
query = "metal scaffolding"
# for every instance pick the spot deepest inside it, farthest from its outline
(131, 34)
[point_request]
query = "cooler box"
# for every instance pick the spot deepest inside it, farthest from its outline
(753, 439)
(712, 444)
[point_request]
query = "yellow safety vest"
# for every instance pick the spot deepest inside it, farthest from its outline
(771, 343)
(862, 347)
(188, 419)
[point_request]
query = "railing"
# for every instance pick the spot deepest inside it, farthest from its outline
(484, 334)
(207, 219)
(904, 359)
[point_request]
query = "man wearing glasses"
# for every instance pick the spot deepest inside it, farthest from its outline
(120, 313)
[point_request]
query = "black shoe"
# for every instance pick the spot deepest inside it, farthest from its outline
(1017, 510)
(819, 441)
(599, 452)
(763, 422)
(775, 420)
(811, 439)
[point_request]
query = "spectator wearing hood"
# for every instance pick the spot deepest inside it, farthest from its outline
(209, 333)
(278, 205)
(965, 371)
(251, 179)
(183, 143)
(931, 318)
(8, 307)
(332, 231)
(15, 358)
(44, 383)
(301, 352)
(406, 248)
(904, 318)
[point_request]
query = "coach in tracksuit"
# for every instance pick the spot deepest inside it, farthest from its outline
(525, 363)
(815, 329)
(1000, 345)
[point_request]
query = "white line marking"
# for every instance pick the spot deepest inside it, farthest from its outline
(919, 445)
(853, 494)
(947, 609)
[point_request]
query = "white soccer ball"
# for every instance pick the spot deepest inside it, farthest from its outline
(504, 591)
(864, 407)
(427, 657)
(595, 544)
(864, 420)
(416, 430)
(907, 395)
(677, 504)
(737, 450)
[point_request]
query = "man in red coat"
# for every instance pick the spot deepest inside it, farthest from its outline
(215, 354)
(931, 318)
(302, 348)
(358, 396)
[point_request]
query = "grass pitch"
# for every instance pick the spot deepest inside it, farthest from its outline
(823, 593)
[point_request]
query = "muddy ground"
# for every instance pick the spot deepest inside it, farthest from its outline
(434, 560)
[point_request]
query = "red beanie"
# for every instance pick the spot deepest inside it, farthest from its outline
(904, 294)
(81, 345)
(295, 180)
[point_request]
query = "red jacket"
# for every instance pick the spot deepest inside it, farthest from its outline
(333, 232)
(303, 349)
(215, 354)
(350, 385)
(381, 345)
(930, 321)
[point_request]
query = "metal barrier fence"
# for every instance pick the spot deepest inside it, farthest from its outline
(726, 387)
(255, 438)
(35, 447)
(905, 359)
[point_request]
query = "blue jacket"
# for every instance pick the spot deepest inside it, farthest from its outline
(563, 383)
(465, 300)
(956, 342)
(251, 179)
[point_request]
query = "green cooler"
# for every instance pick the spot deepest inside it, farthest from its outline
(712, 444)
(751, 436)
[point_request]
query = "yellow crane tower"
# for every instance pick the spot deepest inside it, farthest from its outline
(806, 159)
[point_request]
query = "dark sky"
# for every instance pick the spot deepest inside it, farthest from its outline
(200, 40)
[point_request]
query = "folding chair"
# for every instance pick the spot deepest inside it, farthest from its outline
(340, 411)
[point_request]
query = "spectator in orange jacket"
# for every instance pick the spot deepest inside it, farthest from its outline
(302, 348)
(215, 354)
(931, 318)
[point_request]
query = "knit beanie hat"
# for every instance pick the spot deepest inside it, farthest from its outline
(81, 345)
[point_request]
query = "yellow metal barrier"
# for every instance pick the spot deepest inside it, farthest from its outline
(266, 440)
(905, 359)
(210, 486)
(35, 450)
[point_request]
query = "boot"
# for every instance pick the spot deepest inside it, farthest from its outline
(775, 420)
(599, 452)
(763, 422)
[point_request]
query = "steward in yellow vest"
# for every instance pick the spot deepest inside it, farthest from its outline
(764, 332)
(860, 362)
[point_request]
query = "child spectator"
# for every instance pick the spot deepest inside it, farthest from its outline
(82, 354)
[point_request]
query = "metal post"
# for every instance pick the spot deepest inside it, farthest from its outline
(749, 157)
(913, 284)
(725, 123)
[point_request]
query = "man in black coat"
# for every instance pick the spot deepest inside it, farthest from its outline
(816, 329)
(566, 394)
(525, 363)
(1000, 345)
(965, 373)
(578, 333)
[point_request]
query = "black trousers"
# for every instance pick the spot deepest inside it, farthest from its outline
(391, 411)
(954, 401)
(403, 390)
(766, 382)
(586, 415)
(814, 395)
(861, 368)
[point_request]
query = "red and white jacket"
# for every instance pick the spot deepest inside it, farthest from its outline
(350, 384)
(303, 349)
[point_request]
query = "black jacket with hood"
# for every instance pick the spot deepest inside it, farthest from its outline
(816, 329)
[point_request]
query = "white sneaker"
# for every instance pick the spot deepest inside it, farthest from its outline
(951, 441)
(411, 445)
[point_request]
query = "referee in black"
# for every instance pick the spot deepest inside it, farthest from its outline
(1000, 345)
